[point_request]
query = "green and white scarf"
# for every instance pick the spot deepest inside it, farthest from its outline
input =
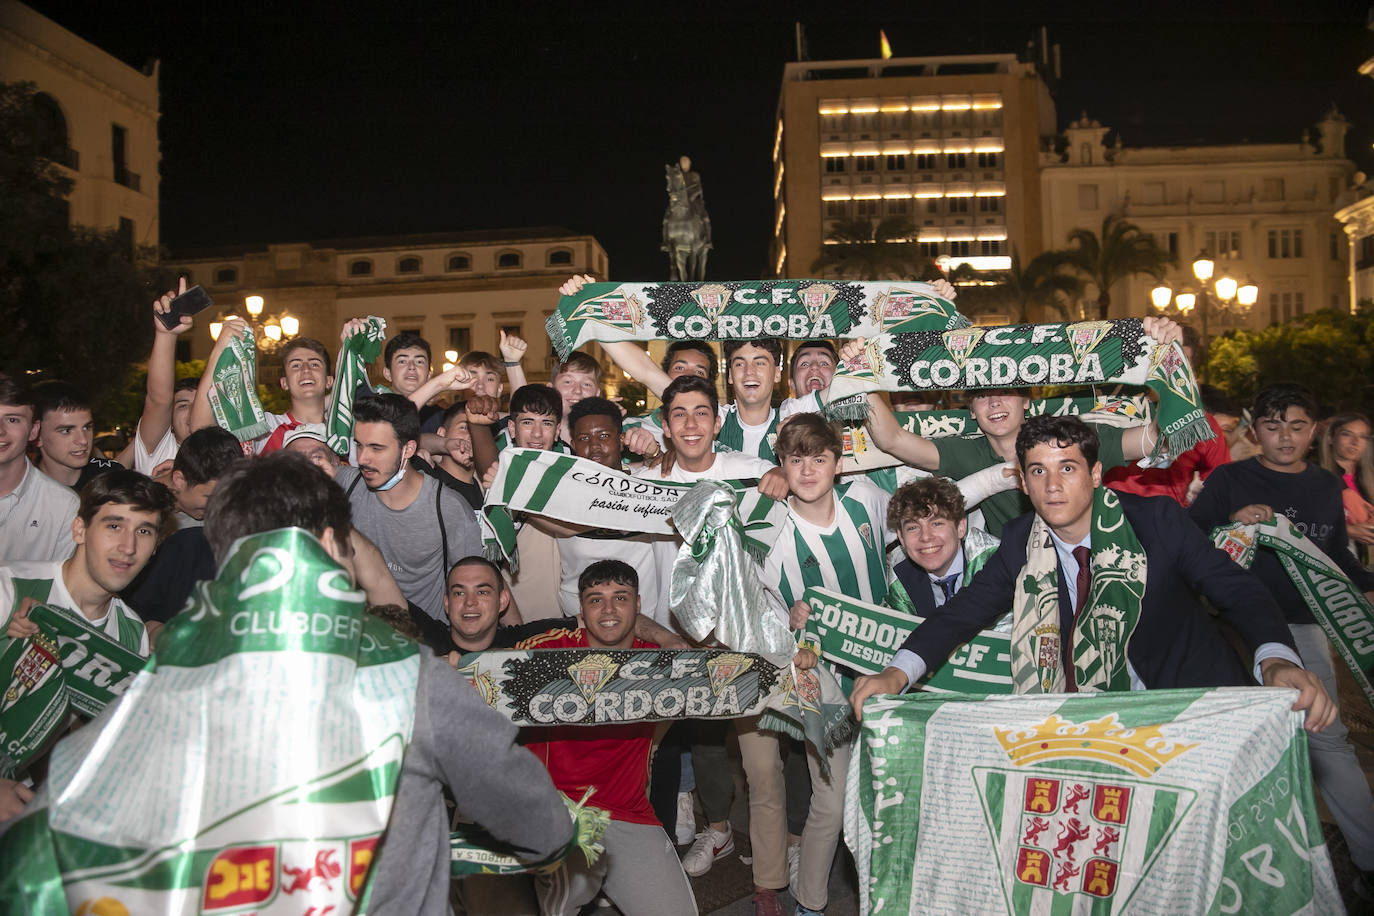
(583, 492)
(275, 716)
(234, 392)
(474, 851)
(863, 638)
(591, 687)
(746, 310)
(860, 454)
(1101, 630)
(350, 370)
(1338, 605)
(1021, 356)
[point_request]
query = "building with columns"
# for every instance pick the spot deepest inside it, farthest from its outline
(951, 143)
(96, 117)
(1263, 212)
(458, 290)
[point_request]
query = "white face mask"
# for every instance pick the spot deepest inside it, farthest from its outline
(395, 479)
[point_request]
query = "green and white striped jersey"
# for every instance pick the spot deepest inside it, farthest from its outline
(737, 436)
(849, 556)
(43, 582)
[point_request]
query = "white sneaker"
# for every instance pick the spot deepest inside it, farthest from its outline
(710, 845)
(686, 819)
(793, 867)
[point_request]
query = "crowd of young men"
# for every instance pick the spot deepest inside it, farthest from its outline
(121, 549)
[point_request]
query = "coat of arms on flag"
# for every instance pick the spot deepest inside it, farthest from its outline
(617, 309)
(896, 306)
(960, 343)
(722, 669)
(712, 299)
(1084, 336)
(591, 674)
(816, 299)
(1064, 831)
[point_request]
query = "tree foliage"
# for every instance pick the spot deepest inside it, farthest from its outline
(1119, 251)
(73, 301)
(1332, 353)
(858, 250)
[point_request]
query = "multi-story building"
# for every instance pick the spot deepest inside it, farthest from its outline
(458, 290)
(951, 143)
(96, 117)
(1262, 212)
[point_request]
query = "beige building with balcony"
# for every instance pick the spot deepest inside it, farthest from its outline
(1263, 212)
(458, 290)
(97, 119)
(951, 143)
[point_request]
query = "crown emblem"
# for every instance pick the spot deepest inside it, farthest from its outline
(1141, 751)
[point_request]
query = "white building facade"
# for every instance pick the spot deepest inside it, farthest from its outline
(96, 117)
(458, 290)
(1263, 212)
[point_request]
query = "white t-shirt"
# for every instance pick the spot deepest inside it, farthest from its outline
(727, 466)
(145, 460)
(576, 553)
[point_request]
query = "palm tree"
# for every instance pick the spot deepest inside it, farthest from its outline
(1121, 251)
(1048, 281)
(857, 250)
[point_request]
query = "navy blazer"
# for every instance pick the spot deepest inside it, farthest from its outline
(1175, 643)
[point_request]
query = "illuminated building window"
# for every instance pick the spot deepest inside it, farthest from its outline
(834, 164)
(989, 160)
(956, 160)
(865, 163)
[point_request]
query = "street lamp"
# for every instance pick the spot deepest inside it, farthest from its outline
(253, 304)
(290, 325)
(1160, 296)
(1247, 295)
(1185, 301)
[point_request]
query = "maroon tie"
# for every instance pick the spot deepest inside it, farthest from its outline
(1085, 578)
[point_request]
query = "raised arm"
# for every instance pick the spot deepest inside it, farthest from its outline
(630, 357)
(201, 414)
(455, 379)
(157, 402)
(889, 436)
(1140, 441)
(512, 352)
(482, 412)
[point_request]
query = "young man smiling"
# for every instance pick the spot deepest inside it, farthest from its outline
(66, 435)
(1128, 569)
(35, 511)
(1280, 481)
(639, 870)
(834, 537)
(941, 553)
(305, 376)
(999, 413)
(115, 531)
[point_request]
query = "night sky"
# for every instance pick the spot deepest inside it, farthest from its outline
(297, 121)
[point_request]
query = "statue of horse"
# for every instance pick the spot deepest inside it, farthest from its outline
(686, 227)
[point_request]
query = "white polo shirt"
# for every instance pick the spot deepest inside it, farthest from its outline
(36, 519)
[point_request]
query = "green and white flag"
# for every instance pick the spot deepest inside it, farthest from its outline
(1153, 802)
(746, 310)
(583, 492)
(250, 768)
(1021, 356)
(234, 393)
(474, 851)
(1338, 605)
(864, 637)
(356, 353)
(68, 665)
